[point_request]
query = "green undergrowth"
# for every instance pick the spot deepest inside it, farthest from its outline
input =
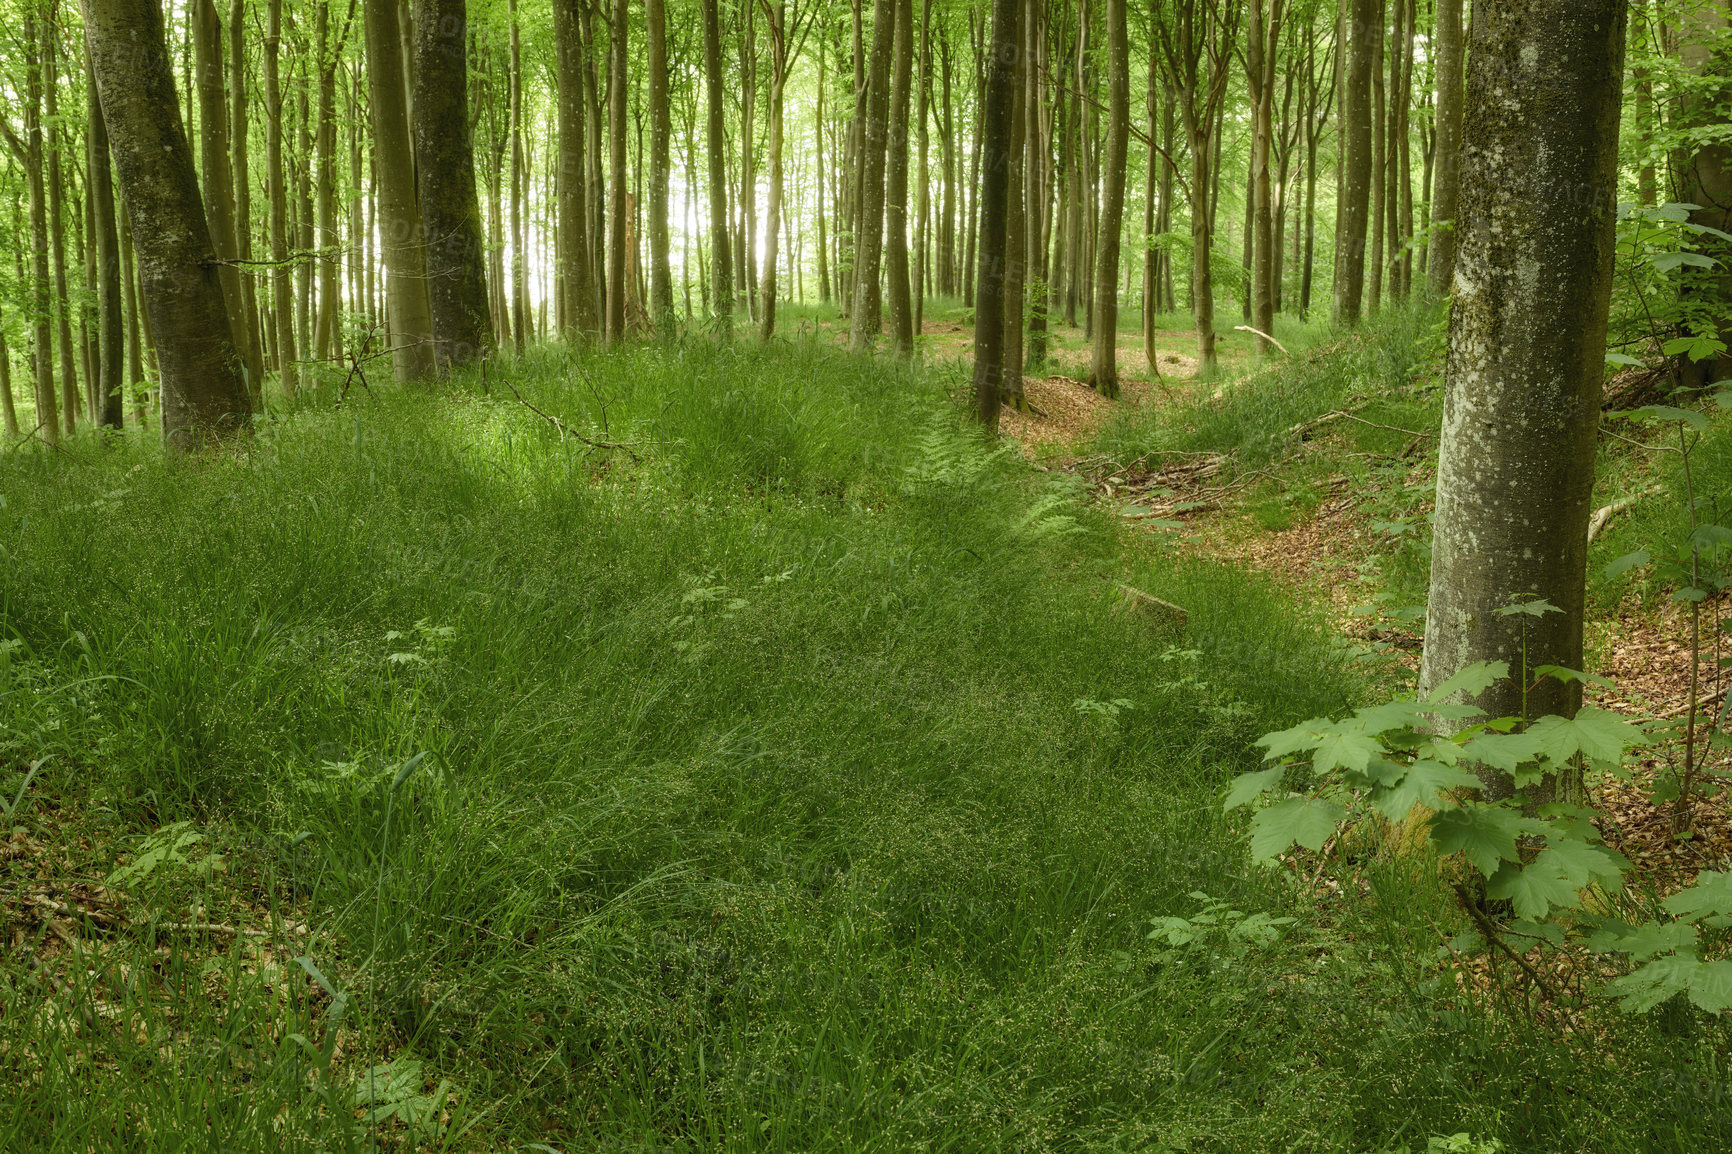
(790, 784)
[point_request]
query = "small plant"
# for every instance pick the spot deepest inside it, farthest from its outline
(1216, 928)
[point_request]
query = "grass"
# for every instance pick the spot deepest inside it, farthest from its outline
(781, 793)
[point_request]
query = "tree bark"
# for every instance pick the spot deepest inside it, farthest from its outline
(204, 397)
(581, 314)
(896, 185)
(775, 18)
(661, 141)
(868, 312)
(721, 259)
(1526, 343)
(1354, 198)
(408, 309)
(1104, 362)
(1705, 180)
(445, 161)
(252, 342)
(994, 188)
(620, 209)
(1263, 38)
(282, 275)
(69, 401)
(99, 192)
(1446, 170)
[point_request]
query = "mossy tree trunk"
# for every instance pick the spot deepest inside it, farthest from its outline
(1526, 346)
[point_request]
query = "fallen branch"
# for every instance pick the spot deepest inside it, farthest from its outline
(566, 430)
(1264, 335)
(1597, 523)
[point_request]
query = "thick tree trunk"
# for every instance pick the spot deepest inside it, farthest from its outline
(445, 163)
(1263, 40)
(407, 307)
(99, 193)
(1104, 362)
(896, 269)
(1526, 343)
(1446, 171)
(1354, 199)
(1705, 180)
(995, 143)
(721, 259)
(868, 309)
(203, 394)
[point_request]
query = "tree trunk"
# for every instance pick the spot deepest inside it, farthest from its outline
(896, 182)
(203, 394)
(69, 402)
(1151, 202)
(721, 259)
(1263, 40)
(1354, 198)
(1705, 180)
(995, 143)
(1526, 342)
(282, 273)
(41, 290)
(109, 408)
(581, 317)
(1446, 171)
(774, 16)
(450, 210)
(252, 343)
(818, 123)
(1104, 363)
(407, 306)
(923, 208)
(869, 245)
(661, 142)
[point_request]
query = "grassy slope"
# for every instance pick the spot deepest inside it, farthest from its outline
(760, 812)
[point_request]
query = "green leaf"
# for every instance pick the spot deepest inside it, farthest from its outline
(1485, 833)
(1247, 786)
(1672, 261)
(1668, 412)
(1352, 750)
(1533, 890)
(1595, 733)
(1625, 563)
(1712, 894)
(1644, 941)
(1422, 784)
(1505, 751)
(1560, 673)
(1711, 986)
(1390, 715)
(1305, 820)
(1472, 680)
(1538, 607)
(1622, 359)
(1653, 983)
(1301, 737)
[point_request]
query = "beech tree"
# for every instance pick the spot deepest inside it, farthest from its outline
(204, 396)
(1526, 343)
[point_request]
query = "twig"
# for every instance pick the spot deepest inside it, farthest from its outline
(567, 431)
(1492, 935)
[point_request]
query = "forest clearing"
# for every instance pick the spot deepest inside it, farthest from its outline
(879, 576)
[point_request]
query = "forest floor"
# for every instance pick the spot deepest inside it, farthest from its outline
(768, 766)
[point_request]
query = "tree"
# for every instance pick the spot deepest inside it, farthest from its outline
(721, 258)
(108, 409)
(1526, 344)
(277, 192)
(868, 313)
(616, 139)
(407, 306)
(445, 172)
(581, 313)
(1104, 363)
(661, 136)
(204, 397)
(1263, 37)
(1353, 198)
(896, 185)
(996, 145)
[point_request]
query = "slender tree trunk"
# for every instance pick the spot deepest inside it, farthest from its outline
(69, 402)
(8, 408)
(204, 395)
(1354, 198)
(818, 120)
(1525, 360)
(99, 193)
(1446, 172)
(896, 180)
(923, 223)
(445, 172)
(661, 142)
(1104, 364)
(996, 143)
(619, 206)
(1013, 388)
(774, 16)
(240, 142)
(869, 247)
(721, 259)
(1704, 179)
(1151, 203)
(1379, 166)
(41, 295)
(1264, 38)
(282, 273)
(581, 315)
(217, 175)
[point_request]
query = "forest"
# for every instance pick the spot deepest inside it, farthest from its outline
(866, 575)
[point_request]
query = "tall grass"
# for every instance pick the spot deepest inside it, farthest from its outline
(781, 793)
